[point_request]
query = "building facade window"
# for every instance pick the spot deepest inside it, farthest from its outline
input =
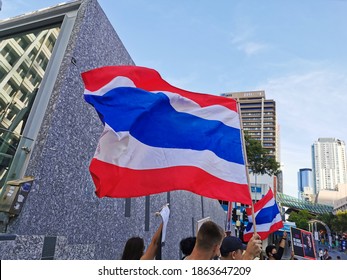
(19, 81)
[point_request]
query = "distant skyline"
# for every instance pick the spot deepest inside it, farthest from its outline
(293, 50)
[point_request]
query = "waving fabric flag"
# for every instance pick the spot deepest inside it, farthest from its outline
(267, 217)
(160, 138)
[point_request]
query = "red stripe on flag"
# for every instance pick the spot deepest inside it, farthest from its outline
(124, 182)
(150, 80)
(261, 203)
(263, 234)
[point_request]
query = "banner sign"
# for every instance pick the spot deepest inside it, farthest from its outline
(303, 243)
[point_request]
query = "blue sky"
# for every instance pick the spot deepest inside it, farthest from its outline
(294, 50)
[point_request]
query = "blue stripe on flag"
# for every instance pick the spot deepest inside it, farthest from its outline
(151, 119)
(264, 216)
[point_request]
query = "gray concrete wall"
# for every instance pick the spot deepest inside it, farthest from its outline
(62, 217)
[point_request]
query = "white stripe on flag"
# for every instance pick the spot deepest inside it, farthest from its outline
(179, 103)
(266, 227)
(120, 148)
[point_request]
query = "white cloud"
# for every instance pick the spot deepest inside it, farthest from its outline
(243, 39)
(251, 48)
(309, 106)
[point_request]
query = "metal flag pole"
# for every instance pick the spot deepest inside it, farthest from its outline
(229, 219)
(246, 166)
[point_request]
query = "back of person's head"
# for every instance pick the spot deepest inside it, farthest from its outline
(134, 249)
(209, 235)
(187, 245)
(268, 250)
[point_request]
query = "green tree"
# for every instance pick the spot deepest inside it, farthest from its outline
(259, 160)
(301, 219)
(328, 219)
(340, 222)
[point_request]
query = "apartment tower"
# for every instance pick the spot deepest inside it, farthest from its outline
(329, 163)
(258, 116)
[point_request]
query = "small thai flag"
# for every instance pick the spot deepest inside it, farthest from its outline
(267, 217)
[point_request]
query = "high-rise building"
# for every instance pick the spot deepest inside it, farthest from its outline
(329, 163)
(258, 116)
(305, 184)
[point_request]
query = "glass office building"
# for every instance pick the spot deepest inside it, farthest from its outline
(305, 183)
(24, 58)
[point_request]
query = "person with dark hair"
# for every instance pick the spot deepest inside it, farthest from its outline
(208, 241)
(276, 254)
(326, 254)
(134, 247)
(187, 245)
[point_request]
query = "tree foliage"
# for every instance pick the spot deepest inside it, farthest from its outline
(340, 222)
(301, 219)
(328, 219)
(259, 160)
(336, 223)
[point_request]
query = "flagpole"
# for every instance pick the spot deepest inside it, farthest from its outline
(246, 166)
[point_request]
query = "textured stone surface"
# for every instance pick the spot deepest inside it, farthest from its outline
(23, 248)
(62, 202)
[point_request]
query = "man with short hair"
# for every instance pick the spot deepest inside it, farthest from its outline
(208, 241)
(232, 248)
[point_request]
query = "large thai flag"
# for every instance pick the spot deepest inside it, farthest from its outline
(160, 138)
(267, 217)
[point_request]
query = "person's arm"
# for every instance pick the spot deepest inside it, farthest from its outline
(283, 241)
(253, 248)
(281, 246)
(154, 245)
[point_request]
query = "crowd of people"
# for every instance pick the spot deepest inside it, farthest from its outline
(210, 243)
(213, 243)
